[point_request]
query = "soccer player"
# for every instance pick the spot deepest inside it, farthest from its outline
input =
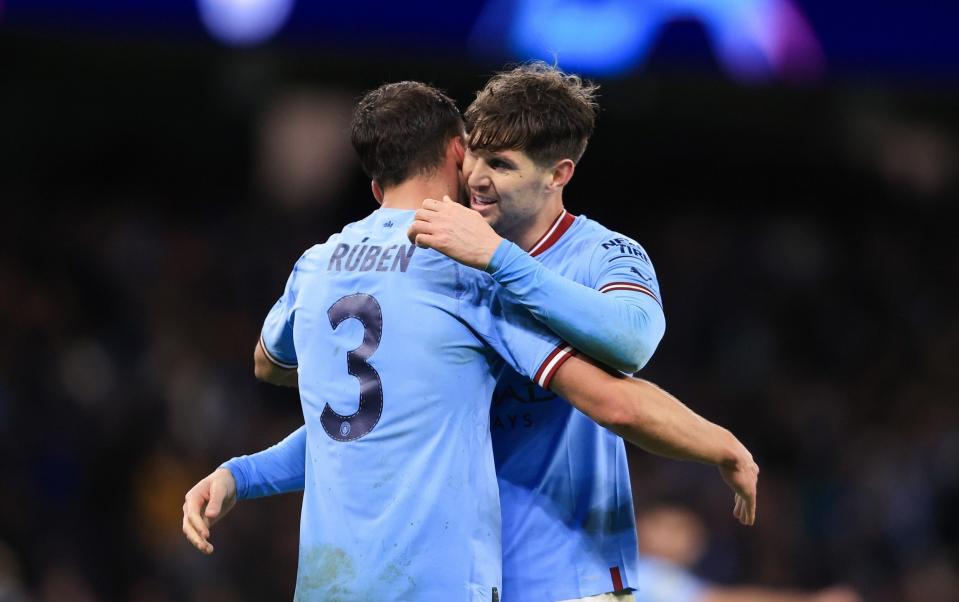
(568, 528)
(659, 425)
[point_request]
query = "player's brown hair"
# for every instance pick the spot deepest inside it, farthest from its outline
(535, 108)
(401, 130)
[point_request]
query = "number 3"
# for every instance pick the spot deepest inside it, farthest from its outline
(366, 309)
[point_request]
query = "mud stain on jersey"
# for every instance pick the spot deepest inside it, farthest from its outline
(327, 569)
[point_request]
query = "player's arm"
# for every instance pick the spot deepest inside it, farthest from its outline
(268, 371)
(274, 356)
(275, 470)
(654, 420)
(278, 469)
(274, 360)
(636, 410)
(620, 322)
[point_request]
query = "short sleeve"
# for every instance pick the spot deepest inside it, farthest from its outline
(620, 265)
(276, 337)
(523, 342)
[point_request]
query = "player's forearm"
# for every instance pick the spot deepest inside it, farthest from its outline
(650, 418)
(277, 376)
(645, 415)
(619, 331)
(656, 421)
(268, 372)
(275, 470)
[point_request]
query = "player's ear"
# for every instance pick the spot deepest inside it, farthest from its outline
(458, 148)
(377, 191)
(561, 173)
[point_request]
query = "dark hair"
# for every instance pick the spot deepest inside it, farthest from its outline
(535, 108)
(401, 130)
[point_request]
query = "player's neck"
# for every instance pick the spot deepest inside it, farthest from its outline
(411, 193)
(530, 233)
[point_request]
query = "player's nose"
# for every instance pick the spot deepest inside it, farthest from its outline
(477, 177)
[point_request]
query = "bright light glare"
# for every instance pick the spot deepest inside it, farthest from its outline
(244, 22)
(754, 40)
(598, 37)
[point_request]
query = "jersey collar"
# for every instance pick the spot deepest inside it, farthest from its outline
(553, 234)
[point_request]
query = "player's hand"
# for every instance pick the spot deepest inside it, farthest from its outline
(205, 504)
(742, 475)
(455, 231)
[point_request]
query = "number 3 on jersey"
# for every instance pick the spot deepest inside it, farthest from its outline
(366, 309)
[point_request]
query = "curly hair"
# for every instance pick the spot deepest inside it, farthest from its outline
(536, 108)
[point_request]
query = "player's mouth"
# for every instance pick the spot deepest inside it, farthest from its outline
(479, 202)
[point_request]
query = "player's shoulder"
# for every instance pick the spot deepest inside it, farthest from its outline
(596, 232)
(313, 253)
(306, 263)
(590, 234)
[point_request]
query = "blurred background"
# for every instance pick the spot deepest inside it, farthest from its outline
(790, 166)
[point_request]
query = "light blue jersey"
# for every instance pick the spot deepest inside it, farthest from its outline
(568, 526)
(396, 349)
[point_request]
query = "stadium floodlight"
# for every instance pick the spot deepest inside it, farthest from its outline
(754, 40)
(244, 22)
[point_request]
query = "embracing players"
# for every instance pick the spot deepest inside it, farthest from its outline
(567, 513)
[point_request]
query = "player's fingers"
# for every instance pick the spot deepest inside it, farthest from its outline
(192, 501)
(417, 228)
(425, 240)
(426, 215)
(202, 545)
(195, 539)
(743, 510)
(192, 509)
(429, 211)
(196, 521)
(420, 226)
(752, 496)
(738, 508)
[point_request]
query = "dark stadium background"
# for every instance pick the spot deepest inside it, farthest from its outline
(157, 185)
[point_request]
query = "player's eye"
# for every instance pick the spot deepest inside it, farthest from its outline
(499, 164)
